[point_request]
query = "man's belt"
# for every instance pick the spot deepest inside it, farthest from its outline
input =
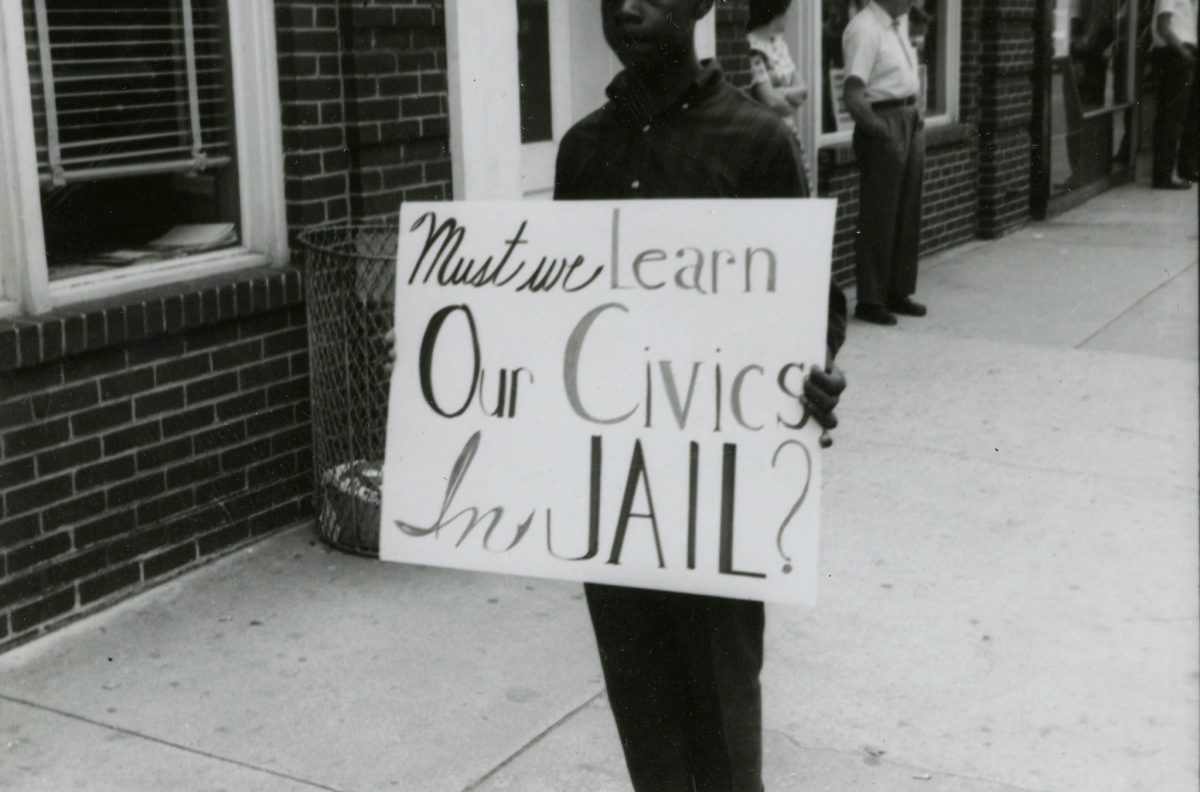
(888, 104)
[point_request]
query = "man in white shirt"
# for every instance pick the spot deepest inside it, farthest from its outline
(881, 93)
(1174, 56)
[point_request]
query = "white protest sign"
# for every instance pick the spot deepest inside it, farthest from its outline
(607, 391)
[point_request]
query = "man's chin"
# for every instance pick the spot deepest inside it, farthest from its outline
(634, 51)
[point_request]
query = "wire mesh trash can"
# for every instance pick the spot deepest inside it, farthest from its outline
(350, 274)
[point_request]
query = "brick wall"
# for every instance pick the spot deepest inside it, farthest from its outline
(1005, 114)
(139, 438)
(366, 121)
(733, 51)
(397, 124)
(316, 154)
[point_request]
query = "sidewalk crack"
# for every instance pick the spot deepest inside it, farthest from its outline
(1136, 303)
(536, 739)
(167, 743)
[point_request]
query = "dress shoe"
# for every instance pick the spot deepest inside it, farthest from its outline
(1172, 184)
(875, 314)
(906, 307)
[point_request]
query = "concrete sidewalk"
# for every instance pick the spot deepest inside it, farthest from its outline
(1010, 544)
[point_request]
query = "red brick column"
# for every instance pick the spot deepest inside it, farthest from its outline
(1006, 114)
(316, 160)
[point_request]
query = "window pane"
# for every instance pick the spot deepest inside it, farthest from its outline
(533, 48)
(1092, 32)
(927, 33)
(134, 132)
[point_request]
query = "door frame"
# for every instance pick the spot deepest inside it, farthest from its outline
(484, 89)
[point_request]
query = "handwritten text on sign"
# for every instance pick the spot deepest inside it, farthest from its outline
(608, 391)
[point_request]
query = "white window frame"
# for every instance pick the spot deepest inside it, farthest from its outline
(951, 55)
(25, 287)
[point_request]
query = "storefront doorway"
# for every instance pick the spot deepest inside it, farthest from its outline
(1087, 135)
(563, 67)
(549, 55)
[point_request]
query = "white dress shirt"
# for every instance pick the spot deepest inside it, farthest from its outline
(1183, 20)
(878, 52)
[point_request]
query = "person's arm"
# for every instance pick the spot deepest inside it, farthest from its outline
(779, 173)
(762, 89)
(566, 183)
(796, 94)
(855, 95)
(860, 46)
(773, 98)
(823, 386)
(1162, 23)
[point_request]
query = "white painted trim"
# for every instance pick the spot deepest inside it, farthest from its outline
(485, 114)
(258, 118)
(952, 55)
(22, 245)
(804, 39)
(846, 135)
(706, 35)
(538, 159)
(95, 286)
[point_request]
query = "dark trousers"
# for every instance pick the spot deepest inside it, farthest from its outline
(890, 171)
(682, 677)
(1173, 86)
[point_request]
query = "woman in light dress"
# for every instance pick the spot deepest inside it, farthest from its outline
(773, 72)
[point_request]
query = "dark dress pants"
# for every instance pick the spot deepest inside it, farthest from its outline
(891, 168)
(682, 677)
(1189, 145)
(1173, 85)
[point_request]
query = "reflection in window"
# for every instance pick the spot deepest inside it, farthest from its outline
(1089, 74)
(1098, 63)
(133, 124)
(533, 51)
(927, 33)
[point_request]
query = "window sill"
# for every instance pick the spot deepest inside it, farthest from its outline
(102, 285)
(939, 132)
(181, 305)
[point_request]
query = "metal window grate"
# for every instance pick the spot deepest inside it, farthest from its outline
(350, 290)
(129, 89)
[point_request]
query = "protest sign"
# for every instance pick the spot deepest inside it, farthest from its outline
(608, 391)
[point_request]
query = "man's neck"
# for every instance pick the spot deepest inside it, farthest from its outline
(894, 8)
(666, 79)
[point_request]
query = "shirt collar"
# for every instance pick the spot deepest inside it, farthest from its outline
(628, 97)
(883, 16)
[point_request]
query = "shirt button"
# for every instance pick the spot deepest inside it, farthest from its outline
(685, 106)
(636, 184)
(646, 128)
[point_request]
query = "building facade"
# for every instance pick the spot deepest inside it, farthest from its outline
(154, 371)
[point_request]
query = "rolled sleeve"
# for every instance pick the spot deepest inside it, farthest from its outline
(860, 45)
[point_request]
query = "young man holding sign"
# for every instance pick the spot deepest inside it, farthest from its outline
(682, 669)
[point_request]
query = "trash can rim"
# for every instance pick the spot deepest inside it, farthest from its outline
(328, 239)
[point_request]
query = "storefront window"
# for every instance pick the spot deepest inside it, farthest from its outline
(930, 30)
(133, 119)
(1090, 77)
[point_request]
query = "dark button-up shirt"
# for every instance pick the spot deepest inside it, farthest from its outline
(710, 141)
